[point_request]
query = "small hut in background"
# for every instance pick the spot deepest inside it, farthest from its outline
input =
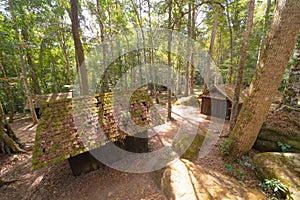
(217, 101)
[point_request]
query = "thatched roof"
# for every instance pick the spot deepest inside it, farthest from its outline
(222, 92)
(69, 127)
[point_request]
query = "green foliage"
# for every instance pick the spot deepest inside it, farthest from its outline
(284, 147)
(234, 171)
(275, 188)
(245, 161)
(225, 147)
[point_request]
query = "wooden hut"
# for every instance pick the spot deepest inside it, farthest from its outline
(217, 101)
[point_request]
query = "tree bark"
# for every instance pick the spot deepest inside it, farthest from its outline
(240, 71)
(81, 68)
(274, 59)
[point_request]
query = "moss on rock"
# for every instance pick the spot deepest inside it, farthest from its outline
(282, 166)
(188, 145)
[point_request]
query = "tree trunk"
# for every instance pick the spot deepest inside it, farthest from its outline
(8, 140)
(275, 55)
(188, 62)
(210, 52)
(104, 47)
(8, 91)
(84, 90)
(19, 39)
(32, 74)
(152, 55)
(169, 116)
(240, 71)
(64, 52)
(229, 77)
(193, 27)
(292, 90)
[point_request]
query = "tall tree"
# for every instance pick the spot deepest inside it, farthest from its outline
(241, 66)
(230, 69)
(81, 68)
(275, 55)
(22, 63)
(210, 52)
(169, 115)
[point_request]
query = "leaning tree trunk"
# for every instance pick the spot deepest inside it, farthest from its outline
(240, 71)
(274, 58)
(8, 140)
(292, 90)
(84, 90)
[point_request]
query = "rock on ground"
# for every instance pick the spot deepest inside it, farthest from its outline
(185, 180)
(282, 166)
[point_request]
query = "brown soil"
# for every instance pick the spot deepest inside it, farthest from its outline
(57, 181)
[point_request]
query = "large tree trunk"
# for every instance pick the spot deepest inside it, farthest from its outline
(292, 90)
(240, 71)
(22, 63)
(274, 58)
(8, 140)
(84, 90)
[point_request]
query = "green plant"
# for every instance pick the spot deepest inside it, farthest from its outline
(284, 147)
(245, 161)
(235, 171)
(225, 147)
(275, 188)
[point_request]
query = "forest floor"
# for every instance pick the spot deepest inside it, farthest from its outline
(57, 182)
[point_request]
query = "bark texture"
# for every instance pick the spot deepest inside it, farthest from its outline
(275, 56)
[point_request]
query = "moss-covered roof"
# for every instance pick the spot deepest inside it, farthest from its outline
(69, 127)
